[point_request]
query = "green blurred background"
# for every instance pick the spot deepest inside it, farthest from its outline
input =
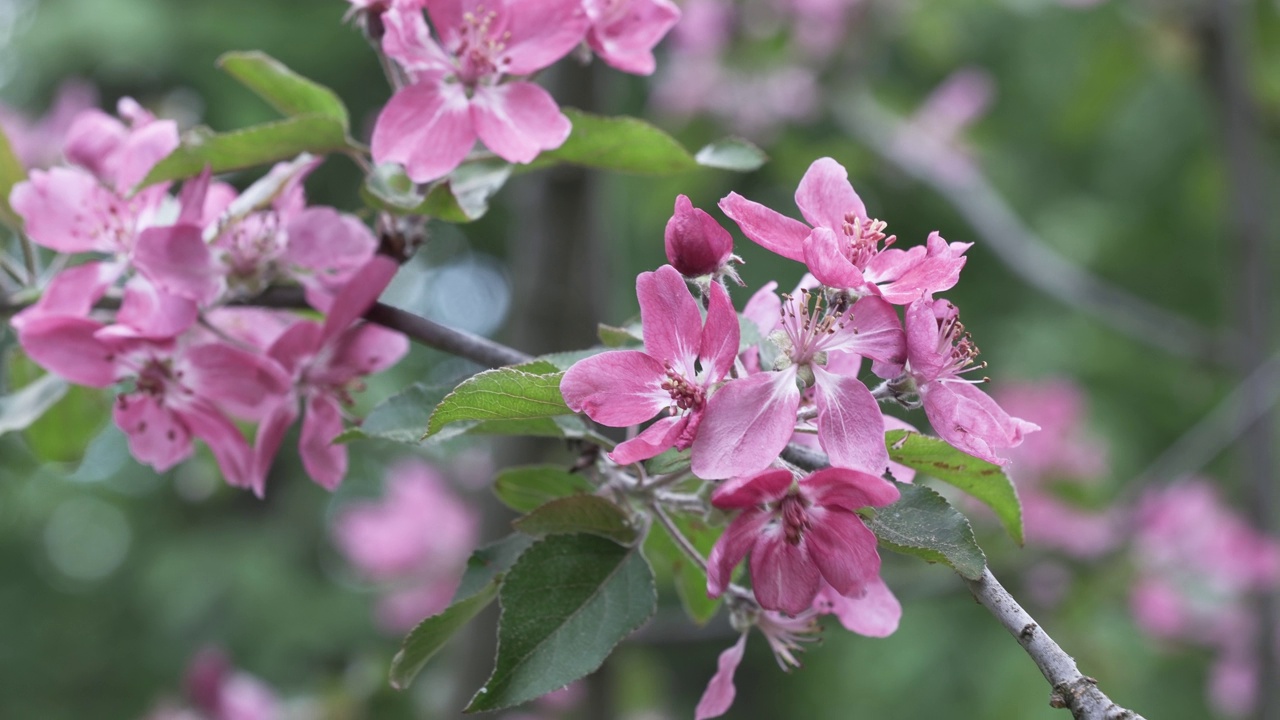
(1106, 135)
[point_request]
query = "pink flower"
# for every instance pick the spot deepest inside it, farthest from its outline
(696, 244)
(628, 387)
(38, 143)
(938, 353)
(459, 93)
(843, 248)
(181, 389)
(624, 32)
(750, 420)
(784, 634)
(932, 136)
(799, 534)
(326, 363)
(417, 536)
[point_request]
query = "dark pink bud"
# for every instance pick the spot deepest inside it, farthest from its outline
(696, 244)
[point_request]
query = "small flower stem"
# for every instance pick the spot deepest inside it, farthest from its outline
(682, 501)
(29, 258)
(13, 270)
(681, 541)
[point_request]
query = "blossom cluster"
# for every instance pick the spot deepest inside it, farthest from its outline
(187, 363)
(735, 407)
(468, 72)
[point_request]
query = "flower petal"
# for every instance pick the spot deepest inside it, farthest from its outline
(68, 346)
(848, 489)
(718, 696)
(971, 421)
(156, 437)
(325, 462)
(669, 315)
(875, 613)
(850, 427)
(767, 228)
(656, 439)
(824, 256)
(825, 197)
(720, 336)
(747, 492)
(616, 388)
(732, 546)
(842, 548)
(746, 425)
(518, 120)
(426, 127)
(783, 576)
(871, 329)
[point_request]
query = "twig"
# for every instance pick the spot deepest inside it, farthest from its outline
(455, 342)
(681, 541)
(1071, 690)
(1004, 233)
(29, 258)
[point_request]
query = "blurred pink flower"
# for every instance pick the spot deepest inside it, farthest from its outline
(38, 141)
(217, 691)
(416, 538)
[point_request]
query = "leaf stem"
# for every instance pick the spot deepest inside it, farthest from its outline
(681, 541)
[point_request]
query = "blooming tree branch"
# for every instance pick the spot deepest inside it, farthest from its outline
(1071, 689)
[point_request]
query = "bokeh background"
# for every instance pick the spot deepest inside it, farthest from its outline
(1130, 143)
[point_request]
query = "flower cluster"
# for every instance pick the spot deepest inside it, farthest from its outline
(1198, 565)
(736, 408)
(186, 363)
(468, 72)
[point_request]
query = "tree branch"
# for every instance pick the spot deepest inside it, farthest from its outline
(1071, 690)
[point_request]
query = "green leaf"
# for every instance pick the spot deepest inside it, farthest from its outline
(689, 580)
(461, 197)
(282, 88)
(579, 513)
(669, 461)
(11, 173)
(568, 427)
(489, 562)
(501, 394)
(732, 154)
(431, 634)
(566, 603)
(922, 523)
(401, 417)
(21, 409)
(620, 337)
(249, 147)
(525, 488)
(621, 144)
(983, 480)
(388, 188)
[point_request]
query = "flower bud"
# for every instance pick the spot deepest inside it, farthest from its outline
(696, 244)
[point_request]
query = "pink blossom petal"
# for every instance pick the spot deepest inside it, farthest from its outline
(764, 308)
(426, 127)
(325, 462)
(766, 227)
(271, 432)
(625, 37)
(924, 341)
(228, 446)
(616, 388)
(875, 613)
(937, 271)
(783, 576)
(540, 33)
(144, 147)
(732, 546)
(359, 294)
(656, 439)
(148, 311)
(669, 314)
(518, 120)
(67, 346)
(747, 492)
(825, 197)
(326, 246)
(296, 345)
(362, 350)
(850, 427)
(872, 330)
(842, 548)
(72, 292)
(246, 384)
(67, 210)
(746, 425)
(93, 138)
(721, 336)
(177, 260)
(718, 696)
(408, 41)
(825, 258)
(155, 435)
(849, 489)
(970, 420)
